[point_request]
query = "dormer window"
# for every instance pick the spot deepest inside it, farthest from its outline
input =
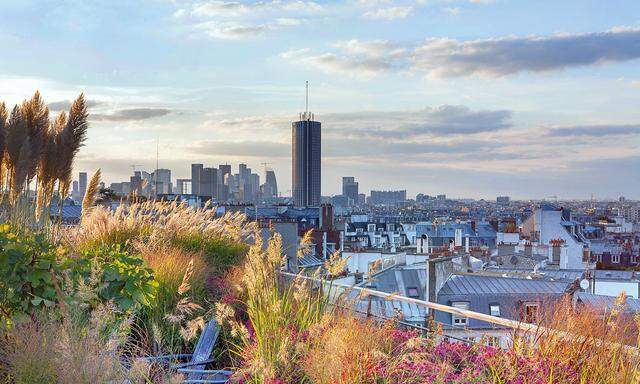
(413, 292)
(371, 227)
(457, 319)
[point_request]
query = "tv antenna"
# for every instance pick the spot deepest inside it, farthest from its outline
(306, 104)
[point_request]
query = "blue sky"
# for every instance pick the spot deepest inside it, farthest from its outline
(472, 98)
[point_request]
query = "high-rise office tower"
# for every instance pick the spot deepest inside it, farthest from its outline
(183, 187)
(350, 189)
(196, 169)
(162, 181)
(82, 184)
(209, 182)
(136, 183)
(270, 186)
(306, 156)
(254, 180)
(75, 192)
(223, 188)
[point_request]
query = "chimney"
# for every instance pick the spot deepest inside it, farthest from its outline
(466, 243)
(324, 245)
(458, 238)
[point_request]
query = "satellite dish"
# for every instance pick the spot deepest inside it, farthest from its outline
(584, 284)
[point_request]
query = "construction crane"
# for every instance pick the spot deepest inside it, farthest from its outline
(265, 166)
(133, 167)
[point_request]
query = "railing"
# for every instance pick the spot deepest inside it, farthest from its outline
(338, 290)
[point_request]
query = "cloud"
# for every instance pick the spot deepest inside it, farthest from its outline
(64, 105)
(232, 30)
(595, 130)
(232, 9)
(260, 149)
(442, 121)
(496, 57)
(452, 10)
(240, 20)
(132, 114)
(362, 59)
(391, 13)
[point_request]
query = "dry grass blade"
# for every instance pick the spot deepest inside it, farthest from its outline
(91, 194)
(185, 286)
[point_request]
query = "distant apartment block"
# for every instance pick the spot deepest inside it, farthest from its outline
(387, 197)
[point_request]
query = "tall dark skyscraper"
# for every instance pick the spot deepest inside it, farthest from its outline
(196, 170)
(306, 156)
(350, 189)
(209, 182)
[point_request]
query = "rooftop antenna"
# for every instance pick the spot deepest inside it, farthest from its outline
(306, 103)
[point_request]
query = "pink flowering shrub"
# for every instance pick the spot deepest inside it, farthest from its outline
(419, 360)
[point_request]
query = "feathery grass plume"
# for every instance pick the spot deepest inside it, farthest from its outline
(49, 162)
(16, 136)
(92, 193)
(72, 138)
(305, 244)
(20, 170)
(3, 121)
(36, 119)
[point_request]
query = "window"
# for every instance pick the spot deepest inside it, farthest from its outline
(413, 292)
(494, 310)
(371, 227)
(391, 227)
(457, 319)
(615, 258)
(359, 230)
(530, 313)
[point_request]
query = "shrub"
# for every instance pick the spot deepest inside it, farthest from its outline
(28, 268)
(46, 350)
(172, 269)
(116, 275)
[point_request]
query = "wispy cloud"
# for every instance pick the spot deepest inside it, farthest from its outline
(132, 114)
(239, 20)
(64, 105)
(232, 30)
(596, 131)
(443, 57)
(259, 149)
(391, 13)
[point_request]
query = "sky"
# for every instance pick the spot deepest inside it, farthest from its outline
(472, 98)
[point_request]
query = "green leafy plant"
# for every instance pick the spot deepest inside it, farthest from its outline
(28, 266)
(119, 277)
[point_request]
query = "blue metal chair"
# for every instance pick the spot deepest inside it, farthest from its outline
(198, 360)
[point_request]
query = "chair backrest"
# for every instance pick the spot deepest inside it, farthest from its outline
(205, 345)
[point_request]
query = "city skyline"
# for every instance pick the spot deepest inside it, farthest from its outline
(407, 91)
